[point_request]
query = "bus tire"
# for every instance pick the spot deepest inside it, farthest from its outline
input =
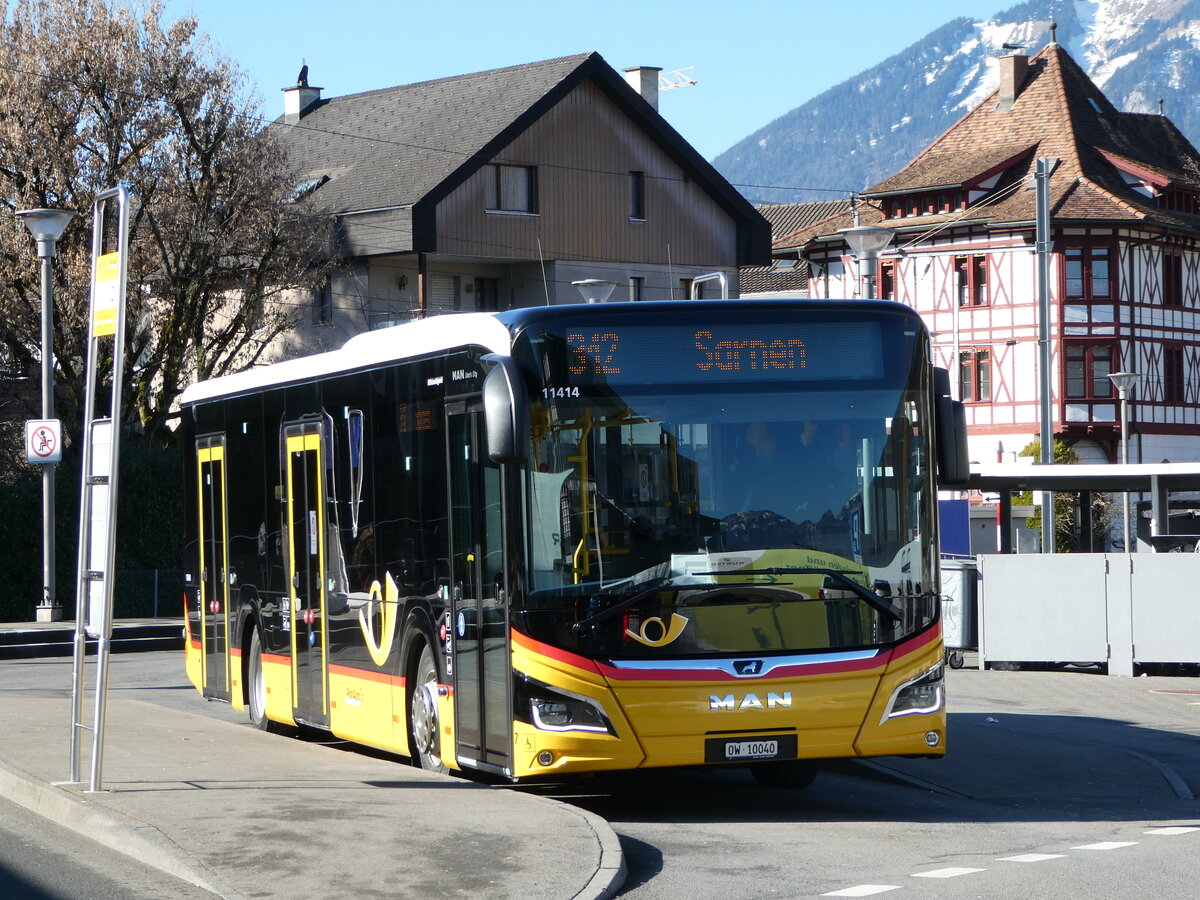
(256, 685)
(794, 774)
(424, 723)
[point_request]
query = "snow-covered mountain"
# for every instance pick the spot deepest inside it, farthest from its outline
(1139, 52)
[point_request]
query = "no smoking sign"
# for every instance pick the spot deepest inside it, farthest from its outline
(43, 441)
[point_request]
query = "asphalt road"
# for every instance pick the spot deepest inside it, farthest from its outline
(41, 861)
(1059, 785)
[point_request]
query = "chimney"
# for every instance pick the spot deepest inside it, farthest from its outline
(1012, 77)
(644, 80)
(300, 97)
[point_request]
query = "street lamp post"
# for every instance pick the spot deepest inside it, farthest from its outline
(594, 290)
(1125, 382)
(46, 226)
(866, 243)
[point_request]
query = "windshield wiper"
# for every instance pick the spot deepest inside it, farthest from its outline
(883, 604)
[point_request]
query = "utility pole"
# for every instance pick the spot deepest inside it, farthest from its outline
(1042, 184)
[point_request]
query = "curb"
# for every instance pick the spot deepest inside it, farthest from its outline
(611, 870)
(116, 831)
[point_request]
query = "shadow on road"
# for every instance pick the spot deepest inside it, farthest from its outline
(1001, 768)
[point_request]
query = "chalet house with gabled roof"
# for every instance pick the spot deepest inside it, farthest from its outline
(1125, 264)
(499, 189)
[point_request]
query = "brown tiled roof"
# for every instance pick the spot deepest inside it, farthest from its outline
(1059, 113)
(769, 279)
(951, 170)
(788, 217)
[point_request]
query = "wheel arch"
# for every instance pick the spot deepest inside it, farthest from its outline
(249, 618)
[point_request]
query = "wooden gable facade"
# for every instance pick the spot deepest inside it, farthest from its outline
(499, 189)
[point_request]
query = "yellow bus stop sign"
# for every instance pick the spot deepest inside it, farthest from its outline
(104, 294)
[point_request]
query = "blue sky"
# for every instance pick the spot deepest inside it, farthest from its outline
(753, 61)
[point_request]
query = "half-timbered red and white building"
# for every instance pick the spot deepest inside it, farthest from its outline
(1125, 264)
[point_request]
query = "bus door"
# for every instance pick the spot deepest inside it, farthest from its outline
(482, 675)
(214, 565)
(306, 526)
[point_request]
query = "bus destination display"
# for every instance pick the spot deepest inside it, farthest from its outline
(725, 352)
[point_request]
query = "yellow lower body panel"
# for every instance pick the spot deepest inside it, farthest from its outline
(277, 673)
(193, 663)
(363, 708)
(236, 698)
(446, 723)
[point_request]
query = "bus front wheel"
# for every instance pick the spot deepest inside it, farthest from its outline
(426, 726)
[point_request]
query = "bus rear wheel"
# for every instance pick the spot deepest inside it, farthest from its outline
(256, 684)
(795, 774)
(426, 726)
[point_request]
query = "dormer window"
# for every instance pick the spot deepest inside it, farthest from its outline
(1180, 200)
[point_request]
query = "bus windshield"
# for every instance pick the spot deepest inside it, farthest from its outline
(749, 486)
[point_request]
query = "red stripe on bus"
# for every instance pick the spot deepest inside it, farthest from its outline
(916, 643)
(365, 675)
(277, 659)
(529, 645)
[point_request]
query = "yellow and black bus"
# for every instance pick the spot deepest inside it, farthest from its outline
(579, 538)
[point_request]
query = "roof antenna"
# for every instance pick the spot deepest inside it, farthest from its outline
(1160, 106)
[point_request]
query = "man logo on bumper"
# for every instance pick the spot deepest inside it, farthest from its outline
(731, 703)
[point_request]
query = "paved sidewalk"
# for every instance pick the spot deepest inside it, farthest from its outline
(242, 813)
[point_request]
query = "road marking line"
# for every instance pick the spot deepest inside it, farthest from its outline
(1031, 857)
(952, 872)
(863, 890)
(1173, 829)
(1107, 845)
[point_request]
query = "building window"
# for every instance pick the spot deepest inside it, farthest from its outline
(637, 195)
(1088, 273)
(445, 293)
(887, 280)
(322, 304)
(1088, 368)
(1172, 278)
(511, 188)
(487, 294)
(636, 284)
(975, 376)
(970, 277)
(1173, 374)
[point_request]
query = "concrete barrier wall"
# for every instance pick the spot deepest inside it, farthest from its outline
(1090, 608)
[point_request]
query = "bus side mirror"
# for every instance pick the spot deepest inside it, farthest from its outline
(506, 408)
(954, 463)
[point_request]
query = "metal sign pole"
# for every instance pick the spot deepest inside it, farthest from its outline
(98, 491)
(1044, 167)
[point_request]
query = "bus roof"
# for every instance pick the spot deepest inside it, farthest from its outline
(446, 331)
(364, 351)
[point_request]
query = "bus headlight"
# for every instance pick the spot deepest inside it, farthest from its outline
(554, 709)
(923, 694)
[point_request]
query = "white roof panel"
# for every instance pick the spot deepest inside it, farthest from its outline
(364, 351)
